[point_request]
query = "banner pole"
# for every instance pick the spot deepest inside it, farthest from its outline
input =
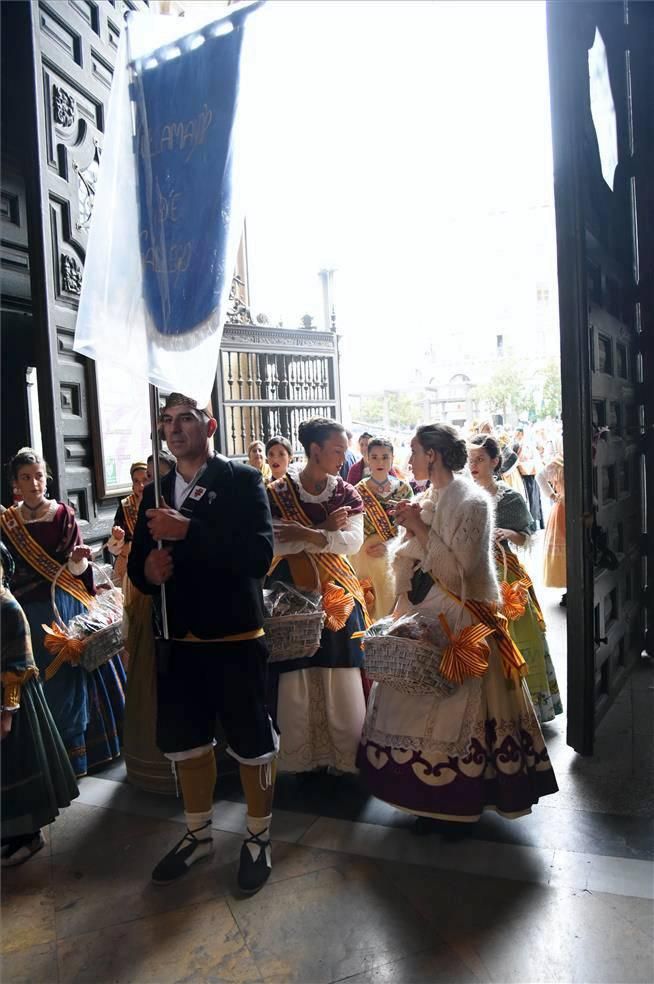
(156, 448)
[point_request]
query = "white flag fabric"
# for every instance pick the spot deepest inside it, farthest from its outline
(167, 218)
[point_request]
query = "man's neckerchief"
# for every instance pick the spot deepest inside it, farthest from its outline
(14, 527)
(331, 567)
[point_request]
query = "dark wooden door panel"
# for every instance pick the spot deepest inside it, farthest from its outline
(597, 181)
(74, 48)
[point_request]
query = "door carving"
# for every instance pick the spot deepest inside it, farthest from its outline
(597, 54)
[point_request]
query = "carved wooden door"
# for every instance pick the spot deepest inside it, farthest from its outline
(598, 54)
(74, 46)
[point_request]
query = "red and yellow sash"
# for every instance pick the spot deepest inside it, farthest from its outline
(15, 529)
(488, 614)
(335, 571)
(376, 513)
(522, 582)
(130, 506)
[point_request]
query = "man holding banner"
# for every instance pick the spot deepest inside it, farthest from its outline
(215, 524)
(159, 263)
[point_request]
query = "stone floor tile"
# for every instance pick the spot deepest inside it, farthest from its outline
(622, 876)
(286, 825)
(603, 794)
(565, 935)
(31, 878)
(514, 861)
(363, 839)
(95, 791)
(328, 925)
(436, 966)
(638, 912)
(105, 888)
(570, 869)
(612, 755)
(83, 828)
(34, 965)
(27, 920)
(199, 943)
(291, 860)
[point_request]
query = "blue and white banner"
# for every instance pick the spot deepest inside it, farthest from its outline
(167, 219)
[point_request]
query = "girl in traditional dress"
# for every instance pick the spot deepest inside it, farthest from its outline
(42, 536)
(514, 524)
(552, 485)
(279, 455)
(146, 766)
(257, 458)
(380, 492)
(509, 468)
(120, 542)
(37, 778)
(318, 522)
(481, 748)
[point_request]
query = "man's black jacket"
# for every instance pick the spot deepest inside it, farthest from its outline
(219, 567)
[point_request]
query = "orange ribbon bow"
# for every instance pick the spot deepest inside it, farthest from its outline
(369, 594)
(514, 598)
(63, 648)
(467, 653)
(337, 606)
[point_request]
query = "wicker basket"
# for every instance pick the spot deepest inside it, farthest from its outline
(293, 636)
(102, 645)
(407, 665)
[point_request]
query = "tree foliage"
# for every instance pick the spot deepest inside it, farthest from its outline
(393, 410)
(504, 391)
(508, 390)
(552, 390)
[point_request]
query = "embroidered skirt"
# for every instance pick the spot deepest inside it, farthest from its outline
(452, 758)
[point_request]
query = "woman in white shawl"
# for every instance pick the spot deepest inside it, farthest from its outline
(481, 748)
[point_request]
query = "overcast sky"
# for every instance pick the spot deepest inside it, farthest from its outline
(381, 132)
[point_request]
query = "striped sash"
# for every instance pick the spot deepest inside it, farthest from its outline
(331, 567)
(515, 567)
(486, 613)
(376, 513)
(130, 512)
(13, 526)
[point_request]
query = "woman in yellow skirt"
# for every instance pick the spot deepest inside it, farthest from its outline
(551, 483)
(380, 492)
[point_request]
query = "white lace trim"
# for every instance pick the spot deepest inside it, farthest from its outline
(323, 496)
(470, 723)
(475, 727)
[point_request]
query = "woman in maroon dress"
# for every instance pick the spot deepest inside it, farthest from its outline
(43, 536)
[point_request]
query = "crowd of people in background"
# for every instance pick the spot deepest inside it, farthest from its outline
(446, 533)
